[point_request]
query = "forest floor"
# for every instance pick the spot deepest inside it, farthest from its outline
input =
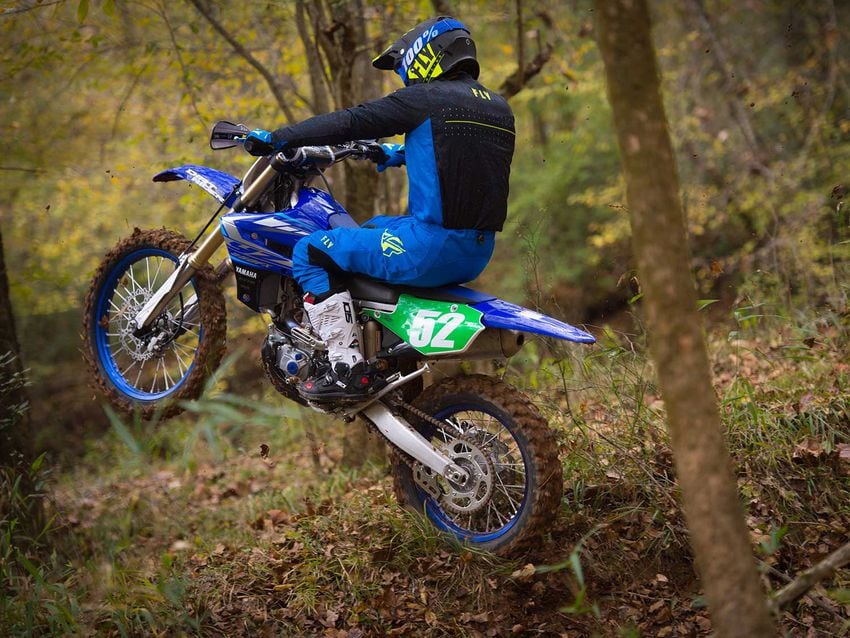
(188, 528)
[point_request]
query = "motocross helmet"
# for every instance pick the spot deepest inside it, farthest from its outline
(429, 50)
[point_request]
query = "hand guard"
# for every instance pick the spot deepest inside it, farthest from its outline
(259, 142)
(394, 156)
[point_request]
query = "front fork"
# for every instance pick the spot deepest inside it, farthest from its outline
(191, 263)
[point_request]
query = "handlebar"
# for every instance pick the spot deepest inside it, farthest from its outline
(321, 157)
(227, 135)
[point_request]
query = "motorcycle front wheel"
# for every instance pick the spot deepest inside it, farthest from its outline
(171, 362)
(510, 454)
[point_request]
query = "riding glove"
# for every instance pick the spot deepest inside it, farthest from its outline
(395, 156)
(260, 142)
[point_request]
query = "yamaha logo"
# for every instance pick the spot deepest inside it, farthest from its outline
(245, 272)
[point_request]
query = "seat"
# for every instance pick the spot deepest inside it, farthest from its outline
(367, 289)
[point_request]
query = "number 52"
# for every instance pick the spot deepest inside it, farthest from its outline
(421, 332)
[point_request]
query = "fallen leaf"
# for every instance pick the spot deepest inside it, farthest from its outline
(278, 516)
(524, 573)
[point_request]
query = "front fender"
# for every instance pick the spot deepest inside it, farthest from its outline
(217, 183)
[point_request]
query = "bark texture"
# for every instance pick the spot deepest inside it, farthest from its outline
(715, 518)
(14, 439)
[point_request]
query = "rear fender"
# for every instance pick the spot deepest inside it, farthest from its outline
(497, 313)
(219, 184)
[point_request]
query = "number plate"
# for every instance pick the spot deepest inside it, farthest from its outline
(432, 327)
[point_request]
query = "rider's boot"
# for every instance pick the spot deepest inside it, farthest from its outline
(347, 376)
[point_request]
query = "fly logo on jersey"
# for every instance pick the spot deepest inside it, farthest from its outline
(391, 245)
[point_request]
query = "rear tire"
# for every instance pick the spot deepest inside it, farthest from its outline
(130, 376)
(504, 424)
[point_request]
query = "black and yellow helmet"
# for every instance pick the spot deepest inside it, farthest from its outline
(429, 50)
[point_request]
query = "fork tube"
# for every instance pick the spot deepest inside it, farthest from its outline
(199, 258)
(202, 255)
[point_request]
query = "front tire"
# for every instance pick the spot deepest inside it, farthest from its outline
(138, 374)
(520, 483)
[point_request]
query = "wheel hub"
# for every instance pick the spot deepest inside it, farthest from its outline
(471, 494)
(140, 349)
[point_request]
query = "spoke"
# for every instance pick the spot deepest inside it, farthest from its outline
(491, 439)
(188, 349)
(155, 376)
(177, 354)
(180, 365)
(156, 274)
(128, 368)
(166, 376)
(132, 274)
(123, 298)
(139, 376)
(489, 508)
(510, 499)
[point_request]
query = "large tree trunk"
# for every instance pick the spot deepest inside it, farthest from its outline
(14, 442)
(19, 500)
(715, 519)
(339, 32)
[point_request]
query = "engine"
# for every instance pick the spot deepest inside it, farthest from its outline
(285, 363)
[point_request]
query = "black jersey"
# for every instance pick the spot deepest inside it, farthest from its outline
(459, 142)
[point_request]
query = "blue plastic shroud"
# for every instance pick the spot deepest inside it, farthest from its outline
(219, 184)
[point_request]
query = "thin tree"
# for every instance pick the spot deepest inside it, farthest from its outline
(712, 509)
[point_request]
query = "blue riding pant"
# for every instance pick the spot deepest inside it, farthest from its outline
(398, 250)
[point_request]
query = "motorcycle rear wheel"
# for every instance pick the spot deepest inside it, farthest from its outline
(507, 444)
(133, 376)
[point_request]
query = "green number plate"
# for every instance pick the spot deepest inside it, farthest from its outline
(432, 327)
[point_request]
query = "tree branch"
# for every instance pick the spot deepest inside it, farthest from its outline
(517, 80)
(27, 6)
(276, 90)
(318, 77)
(811, 577)
(732, 87)
(183, 70)
(520, 36)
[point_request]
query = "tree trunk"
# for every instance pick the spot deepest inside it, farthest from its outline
(14, 442)
(715, 519)
(339, 29)
(19, 499)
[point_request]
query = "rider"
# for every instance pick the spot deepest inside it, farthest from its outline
(459, 141)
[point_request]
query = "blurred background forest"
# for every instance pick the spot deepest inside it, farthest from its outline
(97, 97)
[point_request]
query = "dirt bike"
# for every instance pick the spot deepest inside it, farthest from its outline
(471, 453)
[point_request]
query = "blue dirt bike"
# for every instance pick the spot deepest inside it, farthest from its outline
(472, 453)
